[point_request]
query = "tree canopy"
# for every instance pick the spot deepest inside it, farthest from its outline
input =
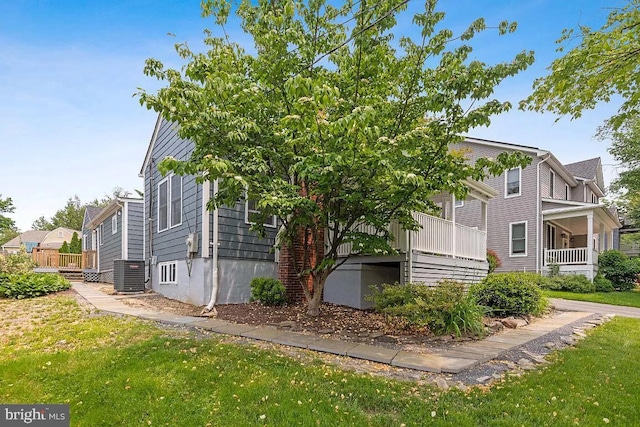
(333, 120)
(604, 63)
(8, 229)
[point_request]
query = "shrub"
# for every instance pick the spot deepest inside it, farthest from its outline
(64, 249)
(554, 269)
(16, 263)
(571, 283)
(619, 269)
(30, 285)
(602, 284)
(268, 291)
(511, 293)
(443, 309)
(75, 246)
(493, 260)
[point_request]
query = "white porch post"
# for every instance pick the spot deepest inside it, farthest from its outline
(453, 221)
(483, 216)
(601, 238)
(611, 239)
(590, 238)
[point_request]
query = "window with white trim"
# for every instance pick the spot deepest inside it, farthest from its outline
(168, 272)
(459, 203)
(60, 233)
(85, 243)
(252, 214)
(552, 183)
(518, 239)
(114, 224)
(567, 193)
(594, 198)
(169, 202)
(512, 182)
(551, 236)
(101, 233)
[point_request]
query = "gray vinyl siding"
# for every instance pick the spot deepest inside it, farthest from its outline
(236, 240)
(170, 244)
(111, 247)
(545, 184)
(86, 238)
(501, 211)
(134, 231)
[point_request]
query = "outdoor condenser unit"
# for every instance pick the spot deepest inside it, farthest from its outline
(128, 276)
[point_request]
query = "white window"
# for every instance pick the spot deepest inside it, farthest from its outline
(168, 272)
(60, 233)
(459, 203)
(552, 183)
(85, 243)
(518, 239)
(101, 233)
(169, 202)
(252, 214)
(512, 182)
(567, 192)
(114, 224)
(594, 198)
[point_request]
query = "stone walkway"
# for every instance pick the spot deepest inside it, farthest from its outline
(454, 360)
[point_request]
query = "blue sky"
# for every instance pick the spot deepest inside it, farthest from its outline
(70, 126)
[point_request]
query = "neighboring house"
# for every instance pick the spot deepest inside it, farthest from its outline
(55, 238)
(28, 239)
(201, 256)
(222, 256)
(547, 213)
(112, 233)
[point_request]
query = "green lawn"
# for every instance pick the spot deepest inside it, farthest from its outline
(120, 372)
(629, 298)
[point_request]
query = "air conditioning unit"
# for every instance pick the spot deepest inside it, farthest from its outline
(128, 276)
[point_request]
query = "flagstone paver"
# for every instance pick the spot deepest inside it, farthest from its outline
(454, 360)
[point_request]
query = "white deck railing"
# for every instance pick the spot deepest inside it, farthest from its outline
(435, 237)
(566, 256)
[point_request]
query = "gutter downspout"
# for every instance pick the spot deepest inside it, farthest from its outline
(539, 239)
(215, 284)
(410, 254)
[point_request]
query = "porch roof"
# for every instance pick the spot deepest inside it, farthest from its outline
(601, 211)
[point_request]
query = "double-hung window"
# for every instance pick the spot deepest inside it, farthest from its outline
(114, 224)
(169, 202)
(552, 183)
(252, 214)
(518, 239)
(513, 182)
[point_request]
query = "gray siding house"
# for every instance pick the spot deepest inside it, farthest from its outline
(193, 254)
(113, 233)
(547, 213)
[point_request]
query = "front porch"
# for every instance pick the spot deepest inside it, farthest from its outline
(573, 237)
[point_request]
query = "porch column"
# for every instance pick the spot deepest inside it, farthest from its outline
(483, 216)
(590, 238)
(611, 239)
(453, 221)
(601, 238)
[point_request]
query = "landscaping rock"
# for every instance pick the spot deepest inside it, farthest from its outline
(462, 387)
(442, 383)
(483, 379)
(376, 334)
(494, 325)
(510, 323)
(568, 340)
(387, 338)
(550, 345)
(287, 324)
(325, 331)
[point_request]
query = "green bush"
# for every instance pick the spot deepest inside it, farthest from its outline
(75, 246)
(511, 293)
(443, 309)
(64, 249)
(619, 269)
(493, 260)
(268, 291)
(571, 283)
(16, 263)
(30, 285)
(602, 284)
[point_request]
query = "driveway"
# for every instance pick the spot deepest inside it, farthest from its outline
(592, 307)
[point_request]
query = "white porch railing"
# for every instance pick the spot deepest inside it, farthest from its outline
(435, 237)
(566, 256)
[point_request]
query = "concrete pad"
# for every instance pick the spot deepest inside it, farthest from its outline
(294, 339)
(263, 333)
(373, 353)
(479, 357)
(454, 365)
(332, 346)
(421, 362)
(495, 346)
(233, 329)
(208, 323)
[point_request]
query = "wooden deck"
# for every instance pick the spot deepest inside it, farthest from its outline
(51, 258)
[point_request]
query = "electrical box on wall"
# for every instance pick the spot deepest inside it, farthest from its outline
(192, 243)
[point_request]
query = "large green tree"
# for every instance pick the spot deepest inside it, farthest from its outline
(333, 120)
(603, 63)
(8, 229)
(70, 216)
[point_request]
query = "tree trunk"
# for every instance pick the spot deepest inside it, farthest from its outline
(313, 304)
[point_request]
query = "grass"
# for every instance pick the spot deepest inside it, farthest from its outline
(627, 298)
(119, 371)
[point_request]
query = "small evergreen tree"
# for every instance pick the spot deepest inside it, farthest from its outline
(64, 249)
(75, 247)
